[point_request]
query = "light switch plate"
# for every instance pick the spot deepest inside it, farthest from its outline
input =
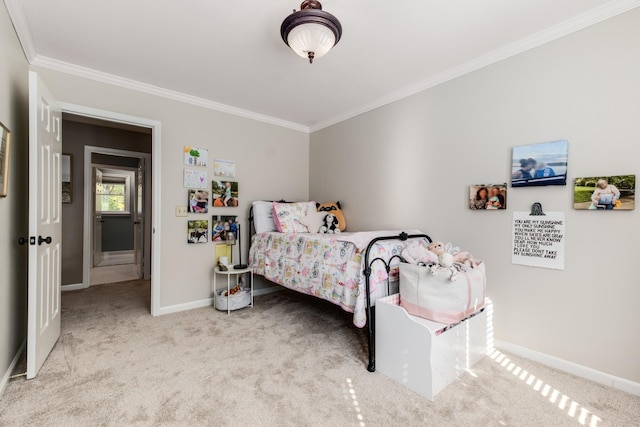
(181, 211)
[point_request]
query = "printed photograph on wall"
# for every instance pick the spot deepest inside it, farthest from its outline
(197, 231)
(225, 193)
(224, 228)
(195, 179)
(196, 156)
(488, 196)
(198, 201)
(225, 168)
(540, 164)
(605, 193)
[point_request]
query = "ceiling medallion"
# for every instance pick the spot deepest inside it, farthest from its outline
(311, 32)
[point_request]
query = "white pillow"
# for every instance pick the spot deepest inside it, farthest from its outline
(313, 220)
(287, 216)
(263, 217)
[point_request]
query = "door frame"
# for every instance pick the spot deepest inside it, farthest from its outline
(89, 208)
(156, 193)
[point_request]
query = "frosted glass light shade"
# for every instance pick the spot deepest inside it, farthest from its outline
(311, 32)
(316, 38)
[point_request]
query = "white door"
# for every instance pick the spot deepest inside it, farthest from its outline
(98, 257)
(138, 219)
(45, 229)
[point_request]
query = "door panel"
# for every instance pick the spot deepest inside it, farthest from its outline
(45, 227)
(139, 218)
(98, 257)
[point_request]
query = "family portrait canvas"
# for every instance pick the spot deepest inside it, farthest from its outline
(605, 193)
(488, 196)
(198, 201)
(196, 156)
(197, 231)
(225, 193)
(540, 164)
(224, 228)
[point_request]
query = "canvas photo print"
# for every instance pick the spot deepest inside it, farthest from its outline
(225, 193)
(198, 201)
(197, 231)
(540, 164)
(224, 228)
(605, 193)
(488, 196)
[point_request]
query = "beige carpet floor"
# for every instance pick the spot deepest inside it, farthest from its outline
(290, 361)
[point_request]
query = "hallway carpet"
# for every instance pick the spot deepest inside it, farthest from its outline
(290, 361)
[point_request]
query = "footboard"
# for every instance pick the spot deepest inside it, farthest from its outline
(368, 263)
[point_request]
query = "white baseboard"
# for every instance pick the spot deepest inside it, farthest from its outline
(73, 287)
(14, 362)
(571, 368)
(209, 301)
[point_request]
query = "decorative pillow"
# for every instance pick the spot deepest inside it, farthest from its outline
(263, 217)
(287, 216)
(335, 209)
(313, 220)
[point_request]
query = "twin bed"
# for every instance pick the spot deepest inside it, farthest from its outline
(351, 270)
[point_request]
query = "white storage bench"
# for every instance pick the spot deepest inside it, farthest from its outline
(414, 352)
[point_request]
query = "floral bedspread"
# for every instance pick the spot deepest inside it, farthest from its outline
(326, 266)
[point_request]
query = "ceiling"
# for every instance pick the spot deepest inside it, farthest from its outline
(229, 56)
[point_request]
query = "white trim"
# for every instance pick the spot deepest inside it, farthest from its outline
(73, 287)
(12, 365)
(99, 76)
(21, 25)
(208, 302)
(540, 38)
(571, 368)
(156, 152)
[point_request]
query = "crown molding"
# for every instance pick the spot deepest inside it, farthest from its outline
(540, 38)
(21, 25)
(99, 76)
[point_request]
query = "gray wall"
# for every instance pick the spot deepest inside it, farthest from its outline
(75, 135)
(13, 209)
(427, 149)
(271, 163)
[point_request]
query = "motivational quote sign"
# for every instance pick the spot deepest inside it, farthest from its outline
(538, 241)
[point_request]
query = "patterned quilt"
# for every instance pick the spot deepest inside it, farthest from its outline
(326, 266)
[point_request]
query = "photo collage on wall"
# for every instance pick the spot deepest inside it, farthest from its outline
(223, 193)
(546, 164)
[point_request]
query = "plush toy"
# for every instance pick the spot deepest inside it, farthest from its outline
(445, 262)
(336, 210)
(330, 225)
(313, 220)
(417, 254)
(437, 247)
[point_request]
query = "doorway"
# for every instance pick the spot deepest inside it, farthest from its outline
(149, 181)
(119, 218)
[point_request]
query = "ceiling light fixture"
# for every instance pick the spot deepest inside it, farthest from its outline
(311, 32)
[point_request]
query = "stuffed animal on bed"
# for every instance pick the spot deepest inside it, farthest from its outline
(330, 225)
(334, 209)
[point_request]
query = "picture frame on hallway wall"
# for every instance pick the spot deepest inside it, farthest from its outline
(5, 153)
(224, 229)
(605, 193)
(66, 168)
(224, 168)
(198, 201)
(540, 164)
(225, 193)
(488, 197)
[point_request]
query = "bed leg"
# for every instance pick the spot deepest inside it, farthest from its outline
(371, 336)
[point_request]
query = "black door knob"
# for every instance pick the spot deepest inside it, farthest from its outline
(42, 240)
(22, 240)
